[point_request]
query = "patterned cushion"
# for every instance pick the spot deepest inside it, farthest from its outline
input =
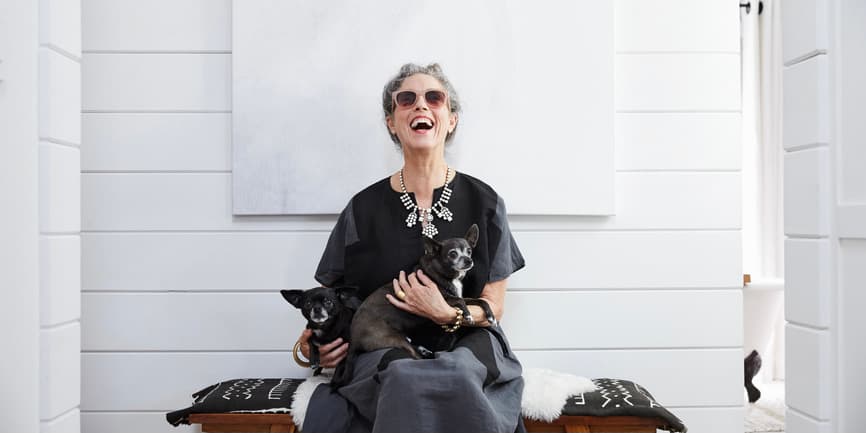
(618, 397)
(240, 396)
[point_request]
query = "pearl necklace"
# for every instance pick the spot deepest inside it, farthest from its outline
(426, 214)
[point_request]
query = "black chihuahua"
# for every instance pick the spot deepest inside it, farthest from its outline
(378, 324)
(328, 312)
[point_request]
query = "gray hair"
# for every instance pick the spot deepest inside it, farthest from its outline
(406, 71)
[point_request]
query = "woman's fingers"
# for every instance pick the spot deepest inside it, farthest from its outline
(334, 356)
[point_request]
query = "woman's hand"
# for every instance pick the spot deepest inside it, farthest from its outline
(329, 354)
(420, 296)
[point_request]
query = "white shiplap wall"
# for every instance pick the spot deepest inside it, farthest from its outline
(60, 215)
(825, 213)
(179, 294)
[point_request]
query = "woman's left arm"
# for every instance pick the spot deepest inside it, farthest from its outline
(422, 297)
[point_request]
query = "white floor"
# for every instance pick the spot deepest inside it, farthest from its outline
(768, 413)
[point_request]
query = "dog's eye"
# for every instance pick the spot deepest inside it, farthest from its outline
(308, 304)
(329, 303)
(452, 254)
(468, 251)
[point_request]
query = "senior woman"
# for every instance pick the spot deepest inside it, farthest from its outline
(476, 387)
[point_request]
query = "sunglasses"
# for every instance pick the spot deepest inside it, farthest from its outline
(434, 98)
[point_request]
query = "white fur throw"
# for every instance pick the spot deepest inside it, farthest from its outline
(546, 391)
(302, 397)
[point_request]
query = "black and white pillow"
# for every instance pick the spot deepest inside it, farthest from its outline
(240, 396)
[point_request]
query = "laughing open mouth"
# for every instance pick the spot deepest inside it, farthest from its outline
(421, 123)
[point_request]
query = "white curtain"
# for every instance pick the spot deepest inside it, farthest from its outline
(762, 141)
(762, 152)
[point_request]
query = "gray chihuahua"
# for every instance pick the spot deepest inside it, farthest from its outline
(378, 324)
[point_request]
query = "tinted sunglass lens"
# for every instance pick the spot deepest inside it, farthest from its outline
(435, 98)
(405, 98)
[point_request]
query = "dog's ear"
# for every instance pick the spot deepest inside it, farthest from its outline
(349, 297)
(295, 297)
(431, 246)
(472, 235)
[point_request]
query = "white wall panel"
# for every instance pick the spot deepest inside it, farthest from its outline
(677, 25)
(69, 422)
(625, 319)
(59, 279)
(714, 369)
(711, 419)
(808, 385)
(165, 381)
(157, 141)
(796, 422)
(677, 141)
(237, 321)
(852, 326)
(807, 282)
(271, 260)
(128, 25)
(60, 26)
(202, 201)
(804, 28)
(806, 106)
(59, 97)
(59, 188)
(806, 192)
(152, 82)
(849, 221)
(677, 82)
(133, 422)
(59, 365)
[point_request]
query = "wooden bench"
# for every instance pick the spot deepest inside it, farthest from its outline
(282, 423)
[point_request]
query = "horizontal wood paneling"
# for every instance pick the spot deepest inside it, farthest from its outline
(165, 381)
(59, 364)
(272, 260)
(238, 321)
(59, 97)
(677, 82)
(60, 25)
(807, 386)
(175, 141)
(807, 281)
(698, 420)
(202, 141)
(806, 192)
(806, 108)
(146, 82)
(677, 25)
(59, 188)
(202, 201)
(677, 141)
(59, 279)
(804, 28)
(189, 25)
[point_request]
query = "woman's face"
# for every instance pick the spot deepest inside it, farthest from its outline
(421, 125)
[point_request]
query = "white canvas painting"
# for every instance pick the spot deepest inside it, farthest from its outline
(535, 78)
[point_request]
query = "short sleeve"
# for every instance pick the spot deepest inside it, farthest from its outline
(331, 269)
(506, 258)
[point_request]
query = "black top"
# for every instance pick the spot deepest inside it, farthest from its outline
(371, 244)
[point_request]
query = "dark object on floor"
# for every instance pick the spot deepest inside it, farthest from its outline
(751, 366)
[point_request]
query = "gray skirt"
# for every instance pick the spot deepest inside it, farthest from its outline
(476, 387)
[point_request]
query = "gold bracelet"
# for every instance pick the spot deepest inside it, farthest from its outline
(458, 319)
(298, 360)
